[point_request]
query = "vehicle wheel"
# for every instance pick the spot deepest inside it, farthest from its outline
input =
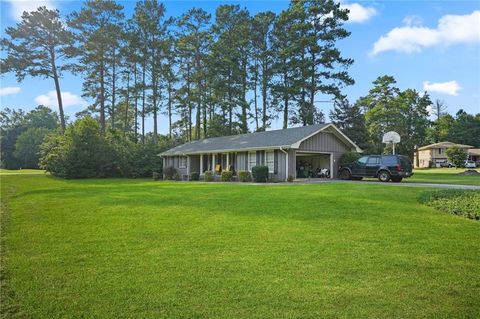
(397, 179)
(383, 176)
(345, 174)
(357, 178)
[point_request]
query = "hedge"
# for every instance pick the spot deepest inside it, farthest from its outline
(260, 174)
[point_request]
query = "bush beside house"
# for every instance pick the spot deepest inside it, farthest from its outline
(260, 174)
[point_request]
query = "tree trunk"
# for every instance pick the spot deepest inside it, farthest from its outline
(255, 103)
(127, 105)
(143, 103)
(136, 101)
(102, 97)
(170, 109)
(59, 92)
(264, 94)
(285, 101)
(114, 75)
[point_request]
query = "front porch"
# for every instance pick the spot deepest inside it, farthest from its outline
(214, 162)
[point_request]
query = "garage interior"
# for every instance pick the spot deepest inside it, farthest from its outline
(313, 165)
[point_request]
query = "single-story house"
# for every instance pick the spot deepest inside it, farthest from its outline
(434, 154)
(288, 152)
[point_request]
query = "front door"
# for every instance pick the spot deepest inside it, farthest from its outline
(359, 167)
(373, 164)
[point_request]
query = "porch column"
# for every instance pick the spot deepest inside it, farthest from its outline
(331, 166)
(213, 163)
(201, 163)
(228, 160)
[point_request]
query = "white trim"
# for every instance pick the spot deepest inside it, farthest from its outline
(254, 153)
(272, 152)
(180, 162)
(331, 165)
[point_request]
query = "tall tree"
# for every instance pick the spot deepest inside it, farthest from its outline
(152, 27)
(37, 47)
(97, 27)
(350, 119)
(261, 37)
(193, 42)
(285, 59)
(322, 66)
(231, 51)
(381, 110)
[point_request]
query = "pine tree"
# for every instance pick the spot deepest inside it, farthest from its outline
(97, 27)
(38, 46)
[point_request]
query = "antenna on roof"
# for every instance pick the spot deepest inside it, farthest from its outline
(391, 138)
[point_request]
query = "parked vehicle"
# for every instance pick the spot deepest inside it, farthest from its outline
(446, 164)
(383, 167)
(470, 164)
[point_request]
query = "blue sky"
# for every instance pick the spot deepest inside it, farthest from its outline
(425, 45)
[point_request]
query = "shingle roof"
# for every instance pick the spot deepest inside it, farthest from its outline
(443, 145)
(268, 139)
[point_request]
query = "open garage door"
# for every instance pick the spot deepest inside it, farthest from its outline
(313, 165)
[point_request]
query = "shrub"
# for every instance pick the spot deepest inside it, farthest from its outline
(456, 156)
(348, 157)
(465, 203)
(208, 176)
(195, 176)
(227, 176)
(290, 178)
(171, 173)
(260, 174)
(81, 152)
(156, 176)
(244, 176)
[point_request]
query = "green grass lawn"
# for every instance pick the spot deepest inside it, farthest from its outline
(443, 176)
(20, 171)
(119, 248)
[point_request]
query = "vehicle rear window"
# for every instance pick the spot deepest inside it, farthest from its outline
(389, 160)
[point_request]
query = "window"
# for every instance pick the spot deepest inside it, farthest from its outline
(252, 160)
(362, 160)
(439, 151)
(389, 160)
(182, 162)
(270, 161)
(373, 160)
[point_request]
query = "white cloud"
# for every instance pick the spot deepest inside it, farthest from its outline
(17, 7)
(358, 13)
(8, 90)
(449, 88)
(413, 37)
(68, 99)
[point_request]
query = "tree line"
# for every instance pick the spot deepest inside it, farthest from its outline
(217, 75)
(209, 76)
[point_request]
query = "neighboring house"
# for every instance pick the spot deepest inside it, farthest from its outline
(285, 152)
(434, 154)
(474, 155)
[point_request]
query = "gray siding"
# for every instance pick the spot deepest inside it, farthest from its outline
(323, 142)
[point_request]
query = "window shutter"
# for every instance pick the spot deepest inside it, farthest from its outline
(275, 162)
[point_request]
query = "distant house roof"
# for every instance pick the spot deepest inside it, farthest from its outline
(443, 145)
(286, 138)
(474, 151)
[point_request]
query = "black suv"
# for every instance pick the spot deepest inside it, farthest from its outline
(385, 167)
